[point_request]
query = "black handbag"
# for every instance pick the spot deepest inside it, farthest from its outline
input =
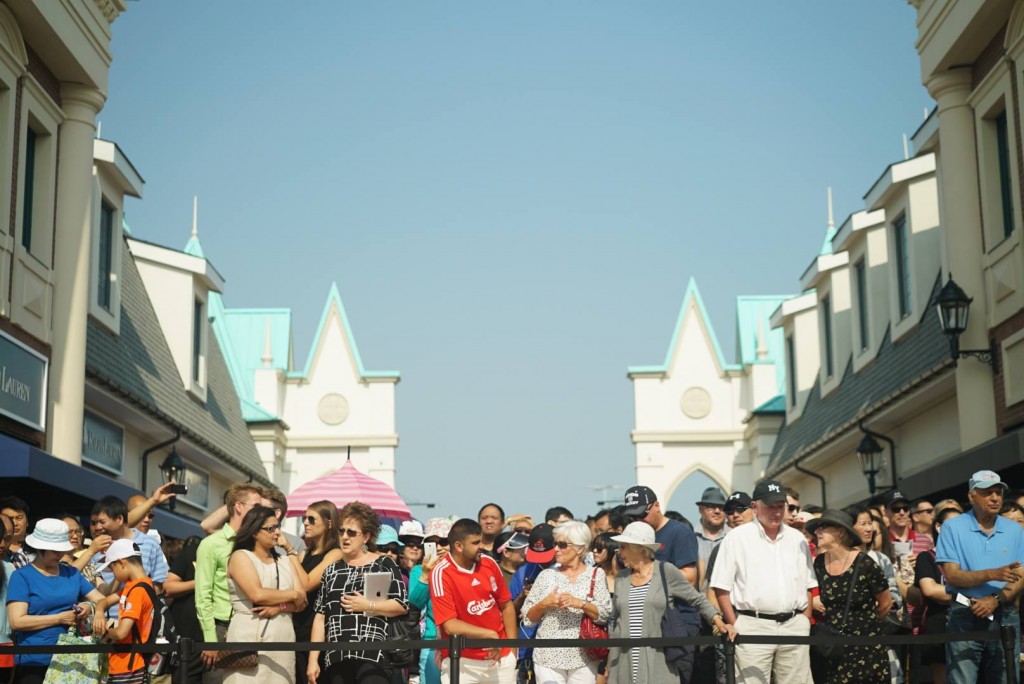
(673, 624)
(398, 630)
(833, 653)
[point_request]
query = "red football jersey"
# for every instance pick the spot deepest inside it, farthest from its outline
(474, 596)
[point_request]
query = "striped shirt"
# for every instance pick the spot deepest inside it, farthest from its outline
(637, 596)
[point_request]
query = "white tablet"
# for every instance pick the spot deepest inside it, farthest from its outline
(377, 585)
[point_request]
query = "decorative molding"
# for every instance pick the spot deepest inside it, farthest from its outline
(681, 436)
(10, 38)
(111, 9)
(332, 409)
(332, 442)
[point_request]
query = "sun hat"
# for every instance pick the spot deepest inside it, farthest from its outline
(410, 531)
(119, 550)
(50, 534)
(513, 541)
(388, 535)
(437, 527)
(985, 479)
(639, 533)
(542, 544)
(712, 496)
(834, 518)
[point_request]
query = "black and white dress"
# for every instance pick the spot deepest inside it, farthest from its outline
(340, 626)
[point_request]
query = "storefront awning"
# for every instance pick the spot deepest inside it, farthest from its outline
(52, 487)
(999, 454)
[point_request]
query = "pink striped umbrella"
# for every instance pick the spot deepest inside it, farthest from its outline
(345, 485)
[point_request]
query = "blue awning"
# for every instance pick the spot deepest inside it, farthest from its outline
(49, 475)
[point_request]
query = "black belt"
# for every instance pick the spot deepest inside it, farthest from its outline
(777, 617)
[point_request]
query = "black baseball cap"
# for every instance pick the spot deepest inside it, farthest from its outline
(737, 500)
(894, 496)
(638, 499)
(542, 544)
(769, 492)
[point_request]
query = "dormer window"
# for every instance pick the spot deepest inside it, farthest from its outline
(861, 283)
(199, 344)
(105, 257)
(791, 369)
(28, 197)
(901, 243)
(826, 329)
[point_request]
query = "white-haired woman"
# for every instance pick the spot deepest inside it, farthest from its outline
(640, 604)
(559, 599)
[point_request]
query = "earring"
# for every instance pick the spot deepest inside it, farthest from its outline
(365, 547)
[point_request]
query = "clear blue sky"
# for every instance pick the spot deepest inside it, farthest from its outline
(511, 196)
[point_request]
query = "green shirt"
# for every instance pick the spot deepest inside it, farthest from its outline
(213, 600)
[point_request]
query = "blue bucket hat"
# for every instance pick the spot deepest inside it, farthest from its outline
(388, 535)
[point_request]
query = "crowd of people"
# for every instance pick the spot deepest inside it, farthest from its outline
(751, 564)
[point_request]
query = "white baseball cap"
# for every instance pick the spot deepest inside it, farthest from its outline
(119, 550)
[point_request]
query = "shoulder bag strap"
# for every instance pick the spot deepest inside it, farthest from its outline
(853, 583)
(593, 580)
(664, 584)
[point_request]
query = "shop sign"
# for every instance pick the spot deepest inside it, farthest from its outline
(22, 383)
(103, 444)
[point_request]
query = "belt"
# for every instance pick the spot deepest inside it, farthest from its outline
(777, 617)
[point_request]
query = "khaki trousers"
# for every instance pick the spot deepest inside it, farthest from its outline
(482, 671)
(791, 664)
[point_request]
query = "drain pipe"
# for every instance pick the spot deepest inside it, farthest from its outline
(158, 447)
(819, 477)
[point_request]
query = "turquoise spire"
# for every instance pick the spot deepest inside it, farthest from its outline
(826, 246)
(193, 246)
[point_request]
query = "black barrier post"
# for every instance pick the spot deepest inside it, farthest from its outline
(185, 652)
(1009, 637)
(730, 661)
(455, 642)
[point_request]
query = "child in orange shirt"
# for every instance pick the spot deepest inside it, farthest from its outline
(135, 611)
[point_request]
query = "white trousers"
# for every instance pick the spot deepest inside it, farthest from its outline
(482, 671)
(791, 664)
(581, 675)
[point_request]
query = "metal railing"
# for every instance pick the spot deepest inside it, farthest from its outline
(186, 649)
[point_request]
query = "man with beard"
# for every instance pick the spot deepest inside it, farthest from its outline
(470, 599)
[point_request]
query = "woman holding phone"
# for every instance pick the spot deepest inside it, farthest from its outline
(435, 547)
(342, 613)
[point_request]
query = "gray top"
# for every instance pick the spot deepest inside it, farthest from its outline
(653, 668)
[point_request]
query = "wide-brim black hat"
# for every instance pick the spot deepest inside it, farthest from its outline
(834, 518)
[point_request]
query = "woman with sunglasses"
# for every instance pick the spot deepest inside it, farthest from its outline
(80, 556)
(436, 534)
(344, 614)
(263, 592)
(606, 556)
(561, 596)
(320, 527)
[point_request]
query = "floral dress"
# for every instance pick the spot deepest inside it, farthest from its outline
(860, 664)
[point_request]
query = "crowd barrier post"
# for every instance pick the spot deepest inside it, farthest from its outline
(729, 647)
(455, 643)
(1009, 637)
(186, 650)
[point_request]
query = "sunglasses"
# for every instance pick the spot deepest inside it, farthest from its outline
(563, 544)
(311, 519)
(924, 510)
(440, 541)
(793, 509)
(414, 545)
(900, 509)
(350, 533)
(271, 528)
(391, 548)
(737, 510)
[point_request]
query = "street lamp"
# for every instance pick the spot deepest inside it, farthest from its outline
(871, 456)
(173, 471)
(954, 307)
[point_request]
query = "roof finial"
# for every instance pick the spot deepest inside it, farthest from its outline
(99, 130)
(268, 353)
(195, 217)
(906, 147)
(762, 348)
(831, 214)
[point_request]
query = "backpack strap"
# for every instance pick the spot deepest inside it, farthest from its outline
(136, 632)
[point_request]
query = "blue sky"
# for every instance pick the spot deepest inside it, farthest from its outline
(511, 196)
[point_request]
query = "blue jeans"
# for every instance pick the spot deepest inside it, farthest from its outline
(966, 659)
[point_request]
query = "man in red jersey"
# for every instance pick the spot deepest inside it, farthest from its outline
(470, 599)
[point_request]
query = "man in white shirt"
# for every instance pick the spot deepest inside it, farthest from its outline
(763, 577)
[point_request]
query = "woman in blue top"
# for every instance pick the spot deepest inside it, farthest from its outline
(436, 531)
(43, 599)
(6, 570)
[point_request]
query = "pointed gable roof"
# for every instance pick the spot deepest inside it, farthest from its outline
(692, 302)
(754, 328)
(334, 310)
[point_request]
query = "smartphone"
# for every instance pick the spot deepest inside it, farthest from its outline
(429, 550)
(178, 489)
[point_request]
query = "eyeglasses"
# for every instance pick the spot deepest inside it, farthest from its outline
(793, 509)
(72, 532)
(311, 519)
(713, 507)
(900, 509)
(271, 528)
(923, 510)
(350, 533)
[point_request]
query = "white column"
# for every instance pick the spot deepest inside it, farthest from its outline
(961, 220)
(72, 240)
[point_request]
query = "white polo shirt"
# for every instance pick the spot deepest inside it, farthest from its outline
(764, 575)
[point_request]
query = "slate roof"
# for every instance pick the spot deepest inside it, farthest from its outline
(137, 364)
(900, 367)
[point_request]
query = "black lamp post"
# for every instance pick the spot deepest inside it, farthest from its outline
(954, 307)
(173, 470)
(871, 455)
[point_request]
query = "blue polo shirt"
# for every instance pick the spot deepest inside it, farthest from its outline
(964, 543)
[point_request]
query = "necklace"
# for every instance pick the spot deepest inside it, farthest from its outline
(643, 574)
(843, 565)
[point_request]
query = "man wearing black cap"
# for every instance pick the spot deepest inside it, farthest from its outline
(763, 579)
(678, 547)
